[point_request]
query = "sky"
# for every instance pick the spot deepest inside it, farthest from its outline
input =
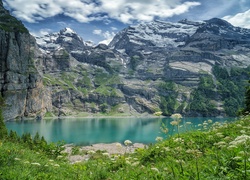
(100, 20)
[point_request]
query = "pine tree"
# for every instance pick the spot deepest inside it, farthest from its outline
(247, 99)
(3, 129)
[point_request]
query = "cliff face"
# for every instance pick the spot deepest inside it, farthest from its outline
(20, 83)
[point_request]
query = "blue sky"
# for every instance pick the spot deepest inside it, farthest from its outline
(99, 20)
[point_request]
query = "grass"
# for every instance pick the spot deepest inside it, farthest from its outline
(221, 151)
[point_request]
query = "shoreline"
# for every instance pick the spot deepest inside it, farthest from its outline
(106, 148)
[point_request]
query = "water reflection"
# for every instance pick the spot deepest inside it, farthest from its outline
(102, 130)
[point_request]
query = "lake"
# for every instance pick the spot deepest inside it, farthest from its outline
(87, 131)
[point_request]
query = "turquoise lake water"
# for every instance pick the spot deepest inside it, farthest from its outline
(88, 131)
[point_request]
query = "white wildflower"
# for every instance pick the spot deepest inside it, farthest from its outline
(159, 139)
(210, 121)
(105, 154)
(91, 152)
(176, 116)
(155, 169)
(127, 143)
(35, 163)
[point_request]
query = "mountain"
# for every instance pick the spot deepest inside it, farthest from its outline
(157, 66)
(193, 68)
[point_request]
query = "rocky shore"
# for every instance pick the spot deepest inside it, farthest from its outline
(109, 149)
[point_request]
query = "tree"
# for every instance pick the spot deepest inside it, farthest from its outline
(3, 129)
(247, 99)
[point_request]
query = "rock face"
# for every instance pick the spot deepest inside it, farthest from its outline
(193, 68)
(20, 83)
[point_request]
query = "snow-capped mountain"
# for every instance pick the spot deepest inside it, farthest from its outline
(156, 33)
(66, 38)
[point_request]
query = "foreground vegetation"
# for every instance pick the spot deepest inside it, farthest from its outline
(219, 151)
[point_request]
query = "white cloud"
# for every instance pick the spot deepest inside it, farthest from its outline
(97, 31)
(240, 19)
(125, 11)
(128, 11)
(107, 35)
(41, 32)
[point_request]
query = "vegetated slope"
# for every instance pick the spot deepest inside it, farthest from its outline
(195, 68)
(221, 151)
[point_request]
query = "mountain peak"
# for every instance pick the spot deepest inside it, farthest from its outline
(67, 30)
(219, 22)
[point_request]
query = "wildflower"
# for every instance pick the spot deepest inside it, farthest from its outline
(240, 140)
(155, 169)
(127, 143)
(220, 144)
(159, 138)
(118, 145)
(128, 162)
(136, 163)
(91, 152)
(167, 149)
(237, 158)
(164, 130)
(199, 125)
(239, 125)
(227, 138)
(174, 123)
(188, 123)
(210, 121)
(243, 132)
(51, 160)
(178, 140)
(210, 137)
(205, 124)
(220, 135)
(176, 116)
(17, 159)
(179, 161)
(179, 149)
(56, 165)
(231, 147)
(105, 154)
(35, 163)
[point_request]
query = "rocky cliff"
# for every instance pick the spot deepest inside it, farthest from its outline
(20, 83)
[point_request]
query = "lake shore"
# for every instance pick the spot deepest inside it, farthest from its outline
(110, 148)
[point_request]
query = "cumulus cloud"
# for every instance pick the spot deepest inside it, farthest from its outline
(41, 32)
(240, 19)
(107, 35)
(125, 11)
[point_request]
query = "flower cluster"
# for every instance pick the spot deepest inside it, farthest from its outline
(240, 140)
(127, 143)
